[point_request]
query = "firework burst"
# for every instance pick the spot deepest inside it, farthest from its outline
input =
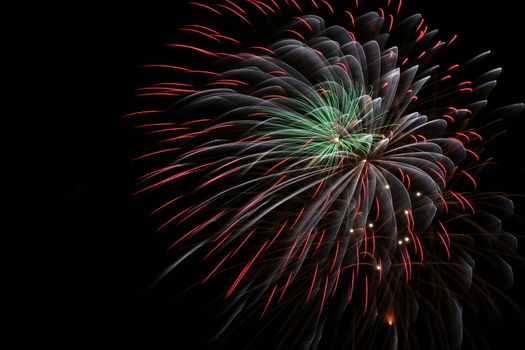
(331, 164)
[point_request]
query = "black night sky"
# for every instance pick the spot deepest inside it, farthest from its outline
(86, 246)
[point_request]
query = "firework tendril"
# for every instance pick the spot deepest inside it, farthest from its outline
(331, 163)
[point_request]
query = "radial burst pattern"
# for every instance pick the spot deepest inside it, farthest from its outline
(330, 163)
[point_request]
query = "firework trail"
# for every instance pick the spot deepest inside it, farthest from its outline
(325, 156)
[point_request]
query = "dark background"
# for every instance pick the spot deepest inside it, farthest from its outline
(84, 244)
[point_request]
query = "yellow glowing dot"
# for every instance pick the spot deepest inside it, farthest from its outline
(336, 139)
(370, 225)
(418, 194)
(351, 230)
(387, 186)
(378, 267)
(389, 318)
(406, 212)
(400, 242)
(407, 239)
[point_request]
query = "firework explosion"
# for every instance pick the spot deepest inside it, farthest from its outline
(330, 163)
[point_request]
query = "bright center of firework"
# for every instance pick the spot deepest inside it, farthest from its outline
(337, 122)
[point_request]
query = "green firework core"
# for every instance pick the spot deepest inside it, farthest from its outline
(324, 127)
